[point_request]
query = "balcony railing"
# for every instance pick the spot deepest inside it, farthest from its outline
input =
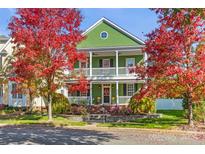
(86, 99)
(79, 99)
(128, 71)
(124, 99)
(109, 71)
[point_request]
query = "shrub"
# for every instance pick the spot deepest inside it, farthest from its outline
(199, 111)
(120, 110)
(60, 103)
(145, 105)
(10, 110)
(78, 109)
(113, 110)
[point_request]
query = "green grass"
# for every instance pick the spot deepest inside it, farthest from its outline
(38, 119)
(170, 119)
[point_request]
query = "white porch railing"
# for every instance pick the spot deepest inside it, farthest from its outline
(79, 99)
(126, 71)
(84, 71)
(124, 99)
(77, 71)
(109, 71)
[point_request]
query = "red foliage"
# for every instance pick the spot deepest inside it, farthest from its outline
(174, 69)
(46, 41)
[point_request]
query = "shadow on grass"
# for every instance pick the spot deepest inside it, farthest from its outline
(48, 135)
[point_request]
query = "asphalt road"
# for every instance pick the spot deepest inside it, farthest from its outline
(40, 134)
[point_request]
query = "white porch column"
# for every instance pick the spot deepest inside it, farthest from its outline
(117, 92)
(91, 59)
(116, 55)
(145, 59)
(91, 93)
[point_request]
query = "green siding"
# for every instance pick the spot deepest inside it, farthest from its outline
(115, 38)
(97, 92)
(120, 89)
(76, 64)
(113, 93)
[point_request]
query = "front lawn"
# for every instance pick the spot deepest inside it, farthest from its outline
(38, 119)
(170, 119)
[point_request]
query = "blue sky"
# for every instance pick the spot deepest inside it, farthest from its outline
(136, 21)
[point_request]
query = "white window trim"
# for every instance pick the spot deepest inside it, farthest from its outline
(86, 63)
(17, 94)
(127, 61)
(128, 68)
(103, 63)
(102, 96)
(105, 37)
(133, 88)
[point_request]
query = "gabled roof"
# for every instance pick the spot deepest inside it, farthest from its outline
(114, 26)
(5, 45)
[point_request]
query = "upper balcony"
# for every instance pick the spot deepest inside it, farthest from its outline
(117, 63)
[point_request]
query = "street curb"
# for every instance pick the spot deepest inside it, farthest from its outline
(94, 127)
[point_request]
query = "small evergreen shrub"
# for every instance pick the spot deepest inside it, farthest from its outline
(145, 105)
(60, 104)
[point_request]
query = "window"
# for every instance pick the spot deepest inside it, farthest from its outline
(130, 63)
(130, 89)
(104, 35)
(83, 65)
(106, 63)
(83, 93)
(62, 91)
(0, 61)
(78, 93)
(1, 90)
(14, 93)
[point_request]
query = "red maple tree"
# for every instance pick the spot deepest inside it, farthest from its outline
(46, 41)
(176, 58)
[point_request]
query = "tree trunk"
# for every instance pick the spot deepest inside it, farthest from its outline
(30, 103)
(50, 118)
(190, 112)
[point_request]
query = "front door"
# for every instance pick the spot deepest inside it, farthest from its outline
(106, 94)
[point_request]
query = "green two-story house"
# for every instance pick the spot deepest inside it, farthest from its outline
(112, 53)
